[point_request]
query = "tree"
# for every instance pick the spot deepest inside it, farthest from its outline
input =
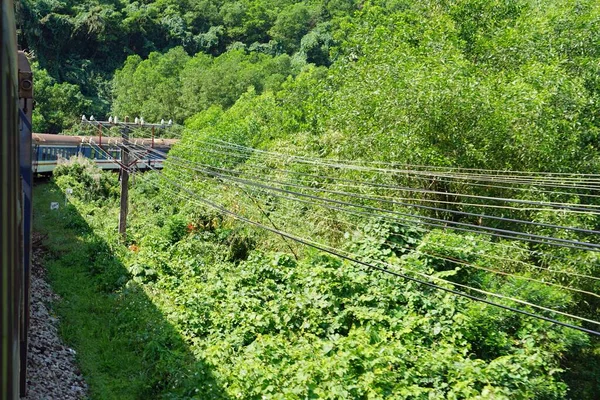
(58, 105)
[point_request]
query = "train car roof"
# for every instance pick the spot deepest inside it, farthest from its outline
(57, 140)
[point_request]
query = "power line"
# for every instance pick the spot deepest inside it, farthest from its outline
(402, 221)
(562, 206)
(364, 184)
(338, 164)
(535, 238)
(414, 166)
(471, 265)
(337, 253)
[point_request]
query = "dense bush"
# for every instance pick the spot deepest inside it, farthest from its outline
(85, 179)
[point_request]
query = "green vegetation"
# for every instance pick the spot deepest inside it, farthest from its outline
(125, 347)
(80, 44)
(226, 310)
(175, 86)
(195, 309)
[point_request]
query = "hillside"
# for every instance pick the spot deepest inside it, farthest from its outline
(451, 141)
(79, 45)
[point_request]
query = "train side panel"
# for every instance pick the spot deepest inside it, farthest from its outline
(10, 208)
(25, 160)
(49, 149)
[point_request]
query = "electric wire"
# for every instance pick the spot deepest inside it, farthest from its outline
(471, 265)
(340, 254)
(403, 221)
(498, 231)
(364, 185)
(567, 206)
(229, 154)
(335, 164)
(416, 166)
(495, 172)
(464, 263)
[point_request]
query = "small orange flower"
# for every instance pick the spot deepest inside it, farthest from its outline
(134, 248)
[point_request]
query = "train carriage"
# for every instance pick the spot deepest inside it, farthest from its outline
(49, 149)
(15, 202)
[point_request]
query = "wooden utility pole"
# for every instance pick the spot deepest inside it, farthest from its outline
(127, 159)
(124, 183)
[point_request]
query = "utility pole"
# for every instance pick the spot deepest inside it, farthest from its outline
(124, 182)
(127, 160)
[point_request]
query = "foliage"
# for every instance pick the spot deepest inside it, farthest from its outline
(266, 324)
(58, 105)
(175, 86)
(125, 348)
(85, 179)
(82, 44)
(467, 83)
(470, 83)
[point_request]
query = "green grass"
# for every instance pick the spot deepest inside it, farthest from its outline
(125, 348)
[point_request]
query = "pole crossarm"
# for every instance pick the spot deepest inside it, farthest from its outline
(118, 124)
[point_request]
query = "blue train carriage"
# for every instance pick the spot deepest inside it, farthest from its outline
(49, 150)
(150, 159)
(16, 92)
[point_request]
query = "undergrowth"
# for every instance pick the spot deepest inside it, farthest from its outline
(194, 305)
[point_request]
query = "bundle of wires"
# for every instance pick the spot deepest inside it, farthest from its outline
(491, 208)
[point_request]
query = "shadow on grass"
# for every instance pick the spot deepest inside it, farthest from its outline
(125, 347)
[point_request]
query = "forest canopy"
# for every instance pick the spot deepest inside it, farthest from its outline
(84, 43)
